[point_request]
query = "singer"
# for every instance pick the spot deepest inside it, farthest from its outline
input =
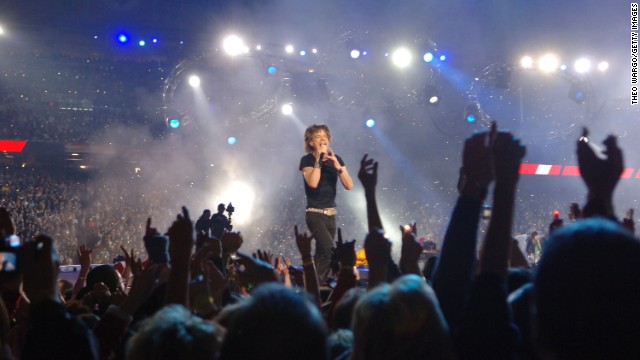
(321, 169)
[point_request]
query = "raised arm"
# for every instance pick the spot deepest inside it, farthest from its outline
(601, 175)
(368, 176)
(456, 263)
(180, 248)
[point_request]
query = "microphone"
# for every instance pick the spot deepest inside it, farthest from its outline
(321, 157)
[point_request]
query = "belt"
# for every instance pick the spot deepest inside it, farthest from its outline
(327, 211)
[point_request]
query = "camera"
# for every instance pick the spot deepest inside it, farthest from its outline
(9, 264)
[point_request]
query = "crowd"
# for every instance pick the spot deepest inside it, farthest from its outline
(189, 296)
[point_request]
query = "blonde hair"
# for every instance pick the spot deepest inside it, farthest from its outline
(312, 130)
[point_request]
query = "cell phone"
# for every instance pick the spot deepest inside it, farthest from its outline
(9, 260)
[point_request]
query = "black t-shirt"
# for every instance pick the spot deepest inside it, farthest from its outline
(324, 196)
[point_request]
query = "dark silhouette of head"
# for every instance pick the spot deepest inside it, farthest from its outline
(275, 323)
(587, 290)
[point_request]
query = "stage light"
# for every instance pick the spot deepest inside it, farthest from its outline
(123, 38)
(289, 49)
(582, 65)
(287, 109)
(563, 67)
(194, 81)
(431, 94)
(443, 57)
(364, 53)
(603, 66)
(526, 62)
(401, 57)
(142, 43)
(1, 30)
(314, 50)
(472, 112)
(548, 63)
(303, 53)
(154, 40)
(428, 57)
(234, 45)
(174, 123)
(370, 123)
(355, 53)
(271, 70)
(231, 140)
(258, 47)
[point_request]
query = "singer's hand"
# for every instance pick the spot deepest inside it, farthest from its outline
(331, 159)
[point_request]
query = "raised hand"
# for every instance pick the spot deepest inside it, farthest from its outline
(266, 256)
(255, 271)
(303, 242)
(378, 251)
(410, 252)
(477, 164)
(345, 251)
(507, 157)
(150, 231)
(84, 257)
(601, 175)
(368, 173)
(181, 237)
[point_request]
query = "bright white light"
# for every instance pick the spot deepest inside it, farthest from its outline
(303, 53)
(1, 31)
(603, 66)
(434, 99)
(428, 57)
(258, 47)
(355, 53)
(582, 65)
(549, 63)
(314, 50)
(142, 43)
(231, 140)
(563, 67)
(370, 123)
(194, 81)
(287, 109)
(289, 49)
(234, 45)
(401, 57)
(242, 196)
(526, 62)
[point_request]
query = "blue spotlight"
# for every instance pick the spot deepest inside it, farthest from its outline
(443, 57)
(123, 38)
(471, 118)
(370, 123)
(231, 140)
(428, 57)
(154, 40)
(142, 43)
(272, 70)
(174, 123)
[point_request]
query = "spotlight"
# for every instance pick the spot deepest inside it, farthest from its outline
(123, 38)
(231, 140)
(443, 57)
(578, 93)
(258, 47)
(194, 81)
(428, 57)
(472, 112)
(271, 70)
(289, 49)
(314, 50)
(142, 43)
(154, 40)
(603, 66)
(174, 123)
(431, 95)
(548, 63)
(1, 30)
(370, 123)
(303, 53)
(287, 109)
(355, 53)
(234, 45)
(401, 57)
(582, 65)
(526, 62)
(563, 67)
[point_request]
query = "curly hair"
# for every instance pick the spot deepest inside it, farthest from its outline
(308, 135)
